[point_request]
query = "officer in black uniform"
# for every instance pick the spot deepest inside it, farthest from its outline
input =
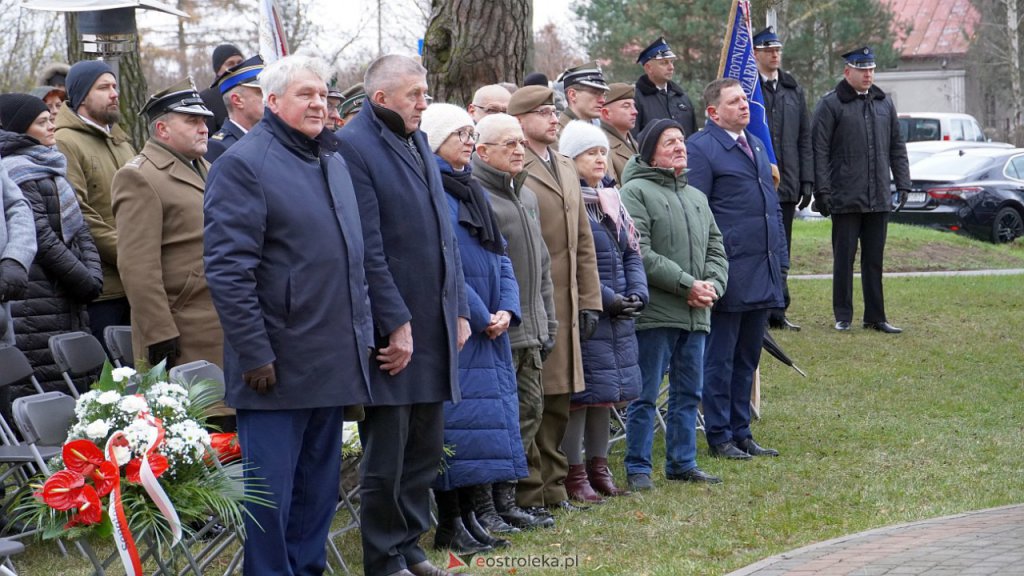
(657, 96)
(240, 90)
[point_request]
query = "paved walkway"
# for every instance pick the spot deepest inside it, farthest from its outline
(973, 544)
(996, 272)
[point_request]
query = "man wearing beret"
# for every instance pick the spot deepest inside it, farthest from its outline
(577, 292)
(790, 128)
(243, 98)
(225, 57)
(618, 116)
(657, 96)
(857, 145)
(96, 147)
(352, 101)
(158, 205)
(585, 92)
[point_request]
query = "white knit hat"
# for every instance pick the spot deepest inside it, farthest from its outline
(578, 137)
(440, 120)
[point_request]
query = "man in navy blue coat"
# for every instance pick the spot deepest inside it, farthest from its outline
(730, 166)
(420, 313)
(284, 255)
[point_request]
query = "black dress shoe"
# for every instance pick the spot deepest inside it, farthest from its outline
(728, 450)
(783, 324)
(542, 518)
(883, 327)
(567, 506)
(425, 568)
(694, 475)
(843, 326)
(754, 449)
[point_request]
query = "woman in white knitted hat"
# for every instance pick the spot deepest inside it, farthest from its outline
(610, 357)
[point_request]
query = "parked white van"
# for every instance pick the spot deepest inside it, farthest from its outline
(923, 126)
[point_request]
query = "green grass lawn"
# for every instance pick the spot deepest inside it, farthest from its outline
(884, 430)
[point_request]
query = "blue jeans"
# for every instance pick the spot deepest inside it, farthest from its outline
(682, 353)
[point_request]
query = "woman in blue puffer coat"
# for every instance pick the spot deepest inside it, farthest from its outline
(482, 430)
(610, 357)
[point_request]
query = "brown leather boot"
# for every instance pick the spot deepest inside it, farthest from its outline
(601, 478)
(578, 487)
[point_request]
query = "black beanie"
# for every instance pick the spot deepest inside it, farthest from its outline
(222, 53)
(19, 111)
(81, 77)
(536, 79)
(648, 139)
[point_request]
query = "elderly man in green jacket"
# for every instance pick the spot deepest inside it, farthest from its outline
(687, 271)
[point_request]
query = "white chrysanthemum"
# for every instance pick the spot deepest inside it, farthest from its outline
(123, 455)
(97, 429)
(133, 404)
(169, 402)
(121, 374)
(175, 445)
(108, 397)
(167, 389)
(140, 434)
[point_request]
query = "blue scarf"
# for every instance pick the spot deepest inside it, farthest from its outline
(45, 163)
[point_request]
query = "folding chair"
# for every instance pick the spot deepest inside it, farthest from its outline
(9, 548)
(77, 354)
(197, 371)
(119, 343)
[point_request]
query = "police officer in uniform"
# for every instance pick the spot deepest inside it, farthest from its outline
(240, 89)
(857, 145)
(657, 96)
(790, 126)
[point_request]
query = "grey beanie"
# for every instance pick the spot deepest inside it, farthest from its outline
(81, 77)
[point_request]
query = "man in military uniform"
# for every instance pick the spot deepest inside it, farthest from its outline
(657, 96)
(158, 207)
(618, 116)
(790, 128)
(243, 98)
(857, 145)
(334, 99)
(352, 103)
(585, 89)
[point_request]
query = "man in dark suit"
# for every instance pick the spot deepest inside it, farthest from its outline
(241, 94)
(657, 96)
(420, 313)
(730, 165)
(284, 255)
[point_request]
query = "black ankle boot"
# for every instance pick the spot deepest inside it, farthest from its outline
(482, 504)
(469, 520)
(451, 533)
(505, 503)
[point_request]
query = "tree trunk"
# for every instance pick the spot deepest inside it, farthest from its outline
(469, 44)
(1012, 29)
(131, 83)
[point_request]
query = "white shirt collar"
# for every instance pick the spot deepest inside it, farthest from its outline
(767, 78)
(240, 127)
(735, 135)
(91, 123)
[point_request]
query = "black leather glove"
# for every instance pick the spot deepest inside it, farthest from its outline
(588, 323)
(901, 199)
(262, 379)
(615, 308)
(167, 349)
(13, 280)
(806, 193)
(632, 307)
(546, 348)
(823, 204)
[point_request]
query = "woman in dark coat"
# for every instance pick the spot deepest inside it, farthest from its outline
(66, 273)
(482, 430)
(610, 357)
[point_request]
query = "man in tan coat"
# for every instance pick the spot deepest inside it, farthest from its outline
(618, 116)
(158, 205)
(96, 147)
(577, 291)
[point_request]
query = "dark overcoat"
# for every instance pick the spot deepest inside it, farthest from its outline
(790, 126)
(674, 104)
(746, 208)
(283, 247)
(412, 262)
(222, 139)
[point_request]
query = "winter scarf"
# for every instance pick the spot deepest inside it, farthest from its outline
(40, 163)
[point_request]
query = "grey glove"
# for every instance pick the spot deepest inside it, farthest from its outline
(13, 280)
(823, 204)
(588, 323)
(546, 349)
(806, 193)
(901, 199)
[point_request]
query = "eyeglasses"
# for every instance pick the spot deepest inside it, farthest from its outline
(510, 144)
(545, 112)
(488, 110)
(467, 136)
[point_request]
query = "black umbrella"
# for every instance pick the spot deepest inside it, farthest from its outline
(773, 348)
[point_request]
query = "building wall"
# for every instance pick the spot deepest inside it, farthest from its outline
(926, 90)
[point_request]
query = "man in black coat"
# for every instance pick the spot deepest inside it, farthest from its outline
(657, 96)
(225, 57)
(857, 143)
(420, 311)
(790, 128)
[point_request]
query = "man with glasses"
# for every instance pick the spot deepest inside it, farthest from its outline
(585, 91)
(419, 303)
(577, 292)
(657, 96)
(618, 116)
(489, 99)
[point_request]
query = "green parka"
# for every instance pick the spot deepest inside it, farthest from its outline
(679, 241)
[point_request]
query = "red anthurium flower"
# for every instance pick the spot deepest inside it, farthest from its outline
(82, 456)
(89, 509)
(227, 446)
(104, 478)
(62, 490)
(157, 462)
